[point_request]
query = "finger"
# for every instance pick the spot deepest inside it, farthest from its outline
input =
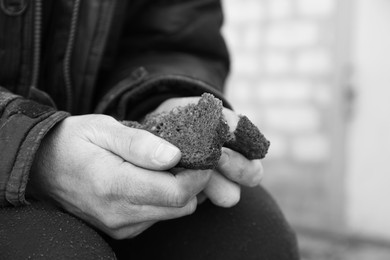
(231, 118)
(145, 187)
(155, 213)
(126, 232)
(237, 168)
(222, 192)
(120, 215)
(137, 146)
(132, 231)
(169, 190)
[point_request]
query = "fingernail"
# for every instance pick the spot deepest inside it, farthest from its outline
(166, 153)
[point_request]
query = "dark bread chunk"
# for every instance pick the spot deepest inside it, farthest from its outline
(200, 130)
(248, 140)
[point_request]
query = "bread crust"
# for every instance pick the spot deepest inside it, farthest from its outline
(200, 131)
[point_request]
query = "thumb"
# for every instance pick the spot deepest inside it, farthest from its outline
(136, 146)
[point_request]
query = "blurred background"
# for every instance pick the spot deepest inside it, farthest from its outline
(314, 76)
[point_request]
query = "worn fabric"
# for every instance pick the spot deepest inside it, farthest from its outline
(122, 58)
(116, 57)
(211, 233)
(41, 231)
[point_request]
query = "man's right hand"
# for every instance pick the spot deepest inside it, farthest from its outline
(112, 176)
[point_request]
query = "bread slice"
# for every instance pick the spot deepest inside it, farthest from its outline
(200, 131)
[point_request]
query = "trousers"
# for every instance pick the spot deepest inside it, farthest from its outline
(253, 229)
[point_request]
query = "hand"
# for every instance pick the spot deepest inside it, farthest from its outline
(113, 176)
(233, 168)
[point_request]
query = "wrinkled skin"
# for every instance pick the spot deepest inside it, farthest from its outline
(117, 178)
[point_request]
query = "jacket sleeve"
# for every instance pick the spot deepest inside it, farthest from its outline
(23, 123)
(167, 49)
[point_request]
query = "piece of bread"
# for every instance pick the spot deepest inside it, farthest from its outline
(200, 130)
(248, 140)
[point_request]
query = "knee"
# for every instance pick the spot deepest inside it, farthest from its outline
(274, 234)
(40, 230)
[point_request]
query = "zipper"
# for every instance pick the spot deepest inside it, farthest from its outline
(37, 43)
(68, 55)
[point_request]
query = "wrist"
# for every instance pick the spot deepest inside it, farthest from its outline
(42, 160)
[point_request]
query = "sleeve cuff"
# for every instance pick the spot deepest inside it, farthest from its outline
(28, 131)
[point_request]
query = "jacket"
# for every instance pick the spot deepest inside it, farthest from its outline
(117, 57)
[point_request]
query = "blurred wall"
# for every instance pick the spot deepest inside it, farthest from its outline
(368, 179)
(288, 63)
(314, 75)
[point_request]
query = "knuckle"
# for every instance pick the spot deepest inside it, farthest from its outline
(93, 120)
(241, 172)
(134, 139)
(104, 118)
(111, 221)
(126, 233)
(134, 233)
(191, 208)
(181, 199)
(118, 235)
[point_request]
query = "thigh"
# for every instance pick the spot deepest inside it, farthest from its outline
(44, 232)
(253, 229)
